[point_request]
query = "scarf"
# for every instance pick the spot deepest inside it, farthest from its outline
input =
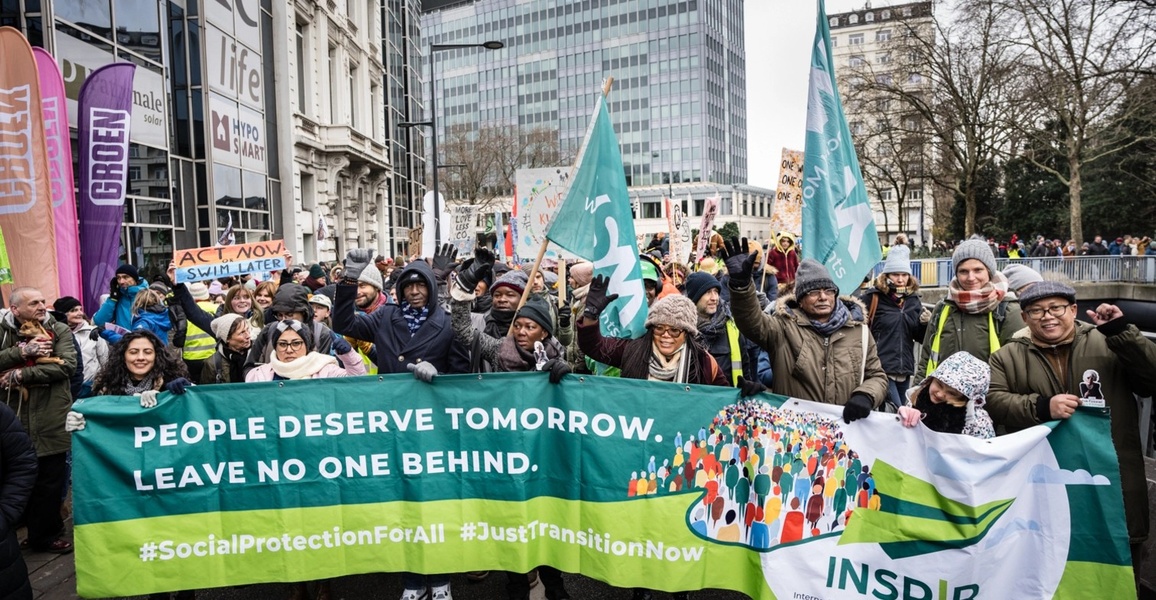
(146, 384)
(302, 368)
(715, 323)
(897, 293)
(414, 318)
(512, 358)
(482, 303)
(498, 323)
(668, 369)
(981, 301)
(837, 320)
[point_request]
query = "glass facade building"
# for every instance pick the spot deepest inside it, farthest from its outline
(679, 96)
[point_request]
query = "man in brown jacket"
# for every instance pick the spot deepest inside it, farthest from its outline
(1038, 378)
(819, 345)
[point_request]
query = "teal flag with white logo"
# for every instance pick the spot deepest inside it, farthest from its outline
(595, 223)
(838, 225)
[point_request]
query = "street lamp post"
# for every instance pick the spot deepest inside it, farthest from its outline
(432, 122)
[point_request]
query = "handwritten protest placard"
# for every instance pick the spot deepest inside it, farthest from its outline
(539, 194)
(463, 219)
(215, 262)
(710, 209)
(787, 213)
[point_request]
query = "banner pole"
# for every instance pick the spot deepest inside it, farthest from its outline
(542, 249)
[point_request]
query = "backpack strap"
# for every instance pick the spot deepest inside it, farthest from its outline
(871, 309)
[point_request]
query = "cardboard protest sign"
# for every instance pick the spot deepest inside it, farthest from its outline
(463, 226)
(215, 262)
(787, 213)
(636, 483)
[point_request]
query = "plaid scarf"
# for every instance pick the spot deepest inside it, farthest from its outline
(981, 301)
(414, 318)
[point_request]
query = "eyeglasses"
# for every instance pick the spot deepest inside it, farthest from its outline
(281, 316)
(824, 291)
(670, 332)
(295, 344)
(1037, 312)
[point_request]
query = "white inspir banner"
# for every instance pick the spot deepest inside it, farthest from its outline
(149, 116)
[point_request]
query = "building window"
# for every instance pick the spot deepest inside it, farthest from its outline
(885, 15)
(834, 41)
(914, 194)
(334, 105)
(855, 39)
(856, 60)
(869, 17)
(302, 70)
(883, 59)
(914, 78)
(885, 195)
(834, 22)
(354, 97)
(883, 35)
(853, 19)
(905, 11)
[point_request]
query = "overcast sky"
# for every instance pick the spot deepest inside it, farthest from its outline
(778, 46)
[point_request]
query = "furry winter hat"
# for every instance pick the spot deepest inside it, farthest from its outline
(674, 311)
(199, 291)
(977, 249)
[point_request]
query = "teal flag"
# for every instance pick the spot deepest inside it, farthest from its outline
(637, 483)
(595, 223)
(838, 226)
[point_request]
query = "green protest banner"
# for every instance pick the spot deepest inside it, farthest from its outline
(636, 483)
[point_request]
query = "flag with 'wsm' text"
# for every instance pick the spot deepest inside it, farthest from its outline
(838, 226)
(598, 206)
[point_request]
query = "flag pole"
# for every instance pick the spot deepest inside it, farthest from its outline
(542, 249)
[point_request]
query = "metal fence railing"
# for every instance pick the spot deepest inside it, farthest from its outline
(936, 272)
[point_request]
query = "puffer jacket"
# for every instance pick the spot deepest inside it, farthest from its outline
(1022, 379)
(49, 397)
(119, 311)
(386, 327)
(964, 331)
(18, 472)
(93, 352)
(154, 319)
(806, 364)
(896, 328)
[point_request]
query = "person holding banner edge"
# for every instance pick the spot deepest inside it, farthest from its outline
(843, 366)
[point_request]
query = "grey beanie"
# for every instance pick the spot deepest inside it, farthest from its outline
(898, 260)
(1019, 276)
(1047, 289)
(977, 249)
(674, 310)
(811, 276)
(372, 276)
(223, 324)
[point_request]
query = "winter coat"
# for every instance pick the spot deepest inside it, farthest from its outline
(49, 397)
(93, 352)
(896, 329)
(964, 331)
(386, 327)
(786, 264)
(119, 311)
(613, 351)
(154, 319)
(17, 475)
(1114, 248)
(806, 364)
(224, 366)
(1022, 379)
(713, 336)
(353, 367)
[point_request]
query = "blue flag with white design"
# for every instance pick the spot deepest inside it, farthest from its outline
(595, 223)
(838, 225)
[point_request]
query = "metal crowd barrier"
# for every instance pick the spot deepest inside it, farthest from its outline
(936, 272)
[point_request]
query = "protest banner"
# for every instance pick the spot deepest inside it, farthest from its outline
(678, 228)
(636, 483)
(215, 262)
(539, 194)
(787, 212)
(706, 228)
(463, 228)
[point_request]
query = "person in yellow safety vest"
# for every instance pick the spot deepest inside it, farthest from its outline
(369, 298)
(717, 331)
(199, 344)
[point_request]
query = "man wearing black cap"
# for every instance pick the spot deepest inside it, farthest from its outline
(1037, 379)
(122, 290)
(717, 331)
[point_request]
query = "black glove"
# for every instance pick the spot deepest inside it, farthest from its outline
(114, 289)
(443, 260)
(740, 263)
(475, 269)
(748, 388)
(564, 316)
(858, 407)
(355, 262)
(178, 385)
(95, 335)
(342, 346)
(596, 298)
(558, 369)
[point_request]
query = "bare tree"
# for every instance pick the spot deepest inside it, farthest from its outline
(488, 158)
(1085, 56)
(947, 86)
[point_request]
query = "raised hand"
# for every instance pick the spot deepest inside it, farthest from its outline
(475, 269)
(740, 263)
(443, 260)
(596, 298)
(356, 261)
